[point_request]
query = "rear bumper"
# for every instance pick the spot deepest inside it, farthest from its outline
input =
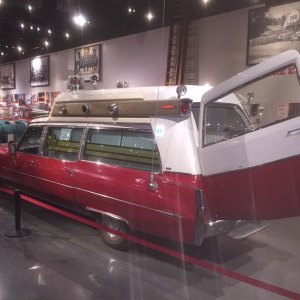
(205, 230)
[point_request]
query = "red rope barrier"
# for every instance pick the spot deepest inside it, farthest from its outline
(179, 255)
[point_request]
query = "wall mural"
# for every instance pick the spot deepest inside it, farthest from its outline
(272, 30)
(7, 76)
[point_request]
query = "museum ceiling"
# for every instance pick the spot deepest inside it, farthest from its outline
(35, 27)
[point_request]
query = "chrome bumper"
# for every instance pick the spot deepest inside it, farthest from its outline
(205, 230)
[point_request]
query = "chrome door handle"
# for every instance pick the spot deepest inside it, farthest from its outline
(72, 171)
(293, 132)
(31, 162)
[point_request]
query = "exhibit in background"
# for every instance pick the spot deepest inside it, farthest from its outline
(7, 75)
(53, 97)
(88, 61)
(44, 100)
(273, 30)
(39, 71)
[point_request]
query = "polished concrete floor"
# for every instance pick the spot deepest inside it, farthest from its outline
(62, 259)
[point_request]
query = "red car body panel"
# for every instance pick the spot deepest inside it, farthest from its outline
(124, 192)
(230, 194)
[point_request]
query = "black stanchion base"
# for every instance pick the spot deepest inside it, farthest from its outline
(17, 233)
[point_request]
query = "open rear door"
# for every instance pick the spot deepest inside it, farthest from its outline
(250, 142)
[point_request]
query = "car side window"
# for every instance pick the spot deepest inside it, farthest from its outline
(63, 143)
(133, 149)
(223, 122)
(31, 140)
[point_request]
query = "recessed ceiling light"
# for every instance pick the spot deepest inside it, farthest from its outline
(19, 48)
(38, 29)
(46, 43)
(2, 53)
(205, 1)
(29, 7)
(49, 31)
(80, 20)
(131, 10)
(149, 16)
(67, 35)
(31, 27)
(22, 25)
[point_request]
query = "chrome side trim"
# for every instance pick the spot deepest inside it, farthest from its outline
(29, 175)
(168, 213)
(102, 212)
(200, 213)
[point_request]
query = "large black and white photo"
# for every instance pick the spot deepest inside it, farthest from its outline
(39, 71)
(88, 62)
(273, 30)
(7, 75)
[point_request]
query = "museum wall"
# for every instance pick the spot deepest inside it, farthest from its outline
(141, 59)
(222, 43)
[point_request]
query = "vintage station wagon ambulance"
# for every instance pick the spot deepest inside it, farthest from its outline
(182, 163)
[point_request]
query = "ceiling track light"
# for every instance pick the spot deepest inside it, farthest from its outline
(131, 10)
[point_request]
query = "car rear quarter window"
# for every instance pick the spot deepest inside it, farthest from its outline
(133, 149)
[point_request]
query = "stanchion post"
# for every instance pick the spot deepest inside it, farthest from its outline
(18, 231)
(17, 210)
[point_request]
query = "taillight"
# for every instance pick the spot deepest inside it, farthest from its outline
(185, 107)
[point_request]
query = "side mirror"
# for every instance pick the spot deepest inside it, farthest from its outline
(11, 148)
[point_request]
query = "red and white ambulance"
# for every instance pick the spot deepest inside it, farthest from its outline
(182, 163)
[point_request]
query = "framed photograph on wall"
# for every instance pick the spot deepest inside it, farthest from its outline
(88, 62)
(272, 30)
(39, 71)
(7, 75)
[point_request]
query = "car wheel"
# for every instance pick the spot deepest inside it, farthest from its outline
(111, 239)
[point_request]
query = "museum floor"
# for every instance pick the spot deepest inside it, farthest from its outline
(63, 259)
